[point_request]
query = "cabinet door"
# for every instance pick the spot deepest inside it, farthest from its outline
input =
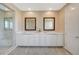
(35, 40)
(23, 40)
(31, 40)
(51, 40)
(42, 40)
(47, 40)
(60, 40)
(19, 39)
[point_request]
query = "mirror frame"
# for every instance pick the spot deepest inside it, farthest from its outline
(26, 22)
(53, 29)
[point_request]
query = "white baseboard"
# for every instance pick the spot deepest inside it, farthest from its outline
(68, 50)
(10, 49)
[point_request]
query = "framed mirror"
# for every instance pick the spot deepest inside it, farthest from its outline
(30, 23)
(49, 23)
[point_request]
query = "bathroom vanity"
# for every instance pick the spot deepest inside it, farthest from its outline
(39, 39)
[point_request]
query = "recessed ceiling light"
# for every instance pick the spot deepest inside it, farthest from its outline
(29, 9)
(72, 8)
(50, 8)
(6, 9)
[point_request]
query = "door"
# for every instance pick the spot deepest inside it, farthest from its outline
(72, 28)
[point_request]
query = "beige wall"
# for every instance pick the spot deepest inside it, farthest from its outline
(39, 17)
(61, 20)
(19, 18)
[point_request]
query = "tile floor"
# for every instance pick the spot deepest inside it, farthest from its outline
(3, 50)
(38, 51)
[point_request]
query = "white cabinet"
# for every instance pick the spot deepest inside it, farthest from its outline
(39, 40)
(60, 40)
(51, 40)
(33, 40)
(42, 40)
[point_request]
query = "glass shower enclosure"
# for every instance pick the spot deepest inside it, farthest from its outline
(6, 28)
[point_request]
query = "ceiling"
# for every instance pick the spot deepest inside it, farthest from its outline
(39, 6)
(4, 8)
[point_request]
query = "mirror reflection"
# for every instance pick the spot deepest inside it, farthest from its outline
(30, 23)
(49, 23)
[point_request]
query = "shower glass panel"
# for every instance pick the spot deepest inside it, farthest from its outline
(6, 27)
